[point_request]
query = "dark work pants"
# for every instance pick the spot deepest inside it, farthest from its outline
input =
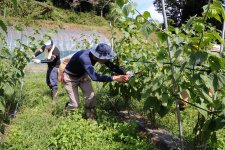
(52, 78)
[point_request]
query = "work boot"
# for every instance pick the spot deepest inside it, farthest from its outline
(54, 93)
(69, 107)
(90, 113)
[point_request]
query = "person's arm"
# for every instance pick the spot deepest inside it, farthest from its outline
(38, 52)
(115, 68)
(103, 78)
(99, 77)
(49, 60)
(95, 76)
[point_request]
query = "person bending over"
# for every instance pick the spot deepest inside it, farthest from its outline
(80, 71)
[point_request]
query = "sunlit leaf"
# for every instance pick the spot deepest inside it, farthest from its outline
(207, 97)
(146, 14)
(126, 10)
(218, 37)
(140, 19)
(8, 90)
(190, 21)
(199, 27)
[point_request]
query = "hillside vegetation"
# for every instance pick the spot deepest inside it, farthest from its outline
(46, 15)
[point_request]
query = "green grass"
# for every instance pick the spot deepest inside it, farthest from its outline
(41, 125)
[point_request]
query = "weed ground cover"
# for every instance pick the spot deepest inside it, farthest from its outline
(41, 125)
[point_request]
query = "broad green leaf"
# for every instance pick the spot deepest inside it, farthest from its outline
(162, 55)
(145, 94)
(3, 26)
(147, 105)
(152, 103)
(146, 15)
(217, 17)
(207, 97)
(8, 90)
(220, 122)
(203, 112)
(207, 81)
(162, 36)
(206, 130)
(216, 63)
(199, 27)
(218, 37)
(121, 2)
(190, 21)
(163, 111)
(199, 55)
(155, 85)
(126, 10)
(147, 29)
(218, 81)
(132, 82)
(178, 40)
(126, 34)
(140, 19)
(177, 30)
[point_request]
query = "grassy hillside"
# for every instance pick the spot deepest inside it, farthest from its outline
(45, 15)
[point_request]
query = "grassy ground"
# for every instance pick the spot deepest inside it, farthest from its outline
(41, 125)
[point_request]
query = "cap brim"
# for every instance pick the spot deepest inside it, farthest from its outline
(110, 56)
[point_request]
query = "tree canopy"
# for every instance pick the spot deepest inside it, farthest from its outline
(179, 11)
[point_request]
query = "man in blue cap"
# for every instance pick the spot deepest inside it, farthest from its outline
(52, 58)
(80, 71)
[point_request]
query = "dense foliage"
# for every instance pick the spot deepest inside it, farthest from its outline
(31, 10)
(164, 71)
(179, 11)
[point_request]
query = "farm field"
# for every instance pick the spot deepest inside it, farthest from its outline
(173, 97)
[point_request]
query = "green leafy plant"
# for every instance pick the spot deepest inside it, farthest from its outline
(150, 59)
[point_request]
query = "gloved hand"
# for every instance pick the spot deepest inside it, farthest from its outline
(36, 61)
(130, 74)
(121, 78)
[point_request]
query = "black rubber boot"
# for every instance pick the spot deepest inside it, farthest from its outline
(54, 94)
(90, 113)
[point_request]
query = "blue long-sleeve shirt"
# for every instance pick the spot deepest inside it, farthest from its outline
(82, 62)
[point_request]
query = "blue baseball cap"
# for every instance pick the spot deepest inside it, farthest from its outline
(103, 51)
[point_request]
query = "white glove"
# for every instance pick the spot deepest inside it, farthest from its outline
(36, 61)
(130, 74)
